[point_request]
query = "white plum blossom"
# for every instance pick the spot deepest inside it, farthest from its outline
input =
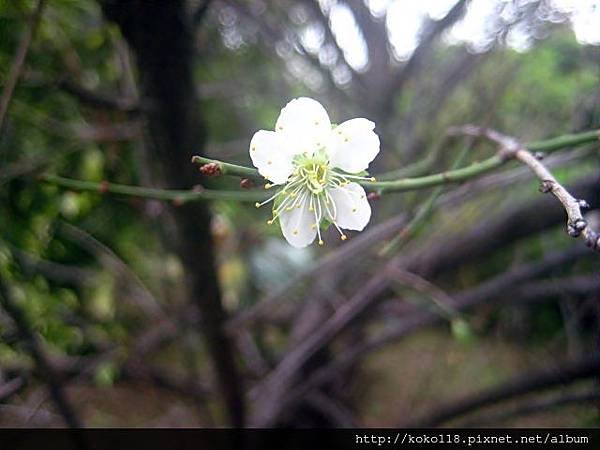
(315, 166)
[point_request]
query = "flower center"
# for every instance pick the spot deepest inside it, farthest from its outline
(308, 189)
(314, 174)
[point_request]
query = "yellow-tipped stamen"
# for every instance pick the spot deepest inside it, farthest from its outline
(308, 187)
(270, 199)
(343, 237)
(334, 215)
(356, 177)
(318, 217)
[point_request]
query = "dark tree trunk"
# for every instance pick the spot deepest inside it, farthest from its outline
(159, 34)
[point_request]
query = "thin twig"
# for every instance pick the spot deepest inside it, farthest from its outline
(44, 366)
(401, 185)
(424, 211)
(469, 172)
(534, 407)
(19, 60)
(269, 393)
(177, 196)
(11, 387)
(487, 292)
(343, 255)
(443, 300)
(511, 148)
(200, 13)
(96, 100)
(529, 382)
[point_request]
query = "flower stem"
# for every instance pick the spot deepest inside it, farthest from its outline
(400, 185)
(228, 168)
(180, 196)
(451, 176)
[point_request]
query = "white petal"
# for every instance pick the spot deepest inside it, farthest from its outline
(352, 209)
(297, 225)
(270, 157)
(353, 145)
(304, 125)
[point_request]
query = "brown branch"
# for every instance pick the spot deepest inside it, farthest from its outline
(432, 31)
(159, 35)
(521, 221)
(511, 148)
(57, 272)
(272, 35)
(269, 393)
(44, 367)
(339, 416)
(11, 387)
(374, 32)
(485, 293)
(441, 298)
(97, 100)
(19, 60)
(340, 257)
(144, 299)
(534, 407)
(523, 384)
(323, 19)
(199, 14)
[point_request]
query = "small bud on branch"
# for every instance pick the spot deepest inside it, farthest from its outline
(246, 183)
(103, 187)
(511, 148)
(210, 169)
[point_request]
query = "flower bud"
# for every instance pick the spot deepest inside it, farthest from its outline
(210, 169)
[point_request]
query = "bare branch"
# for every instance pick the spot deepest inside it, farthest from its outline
(323, 19)
(44, 366)
(19, 60)
(511, 148)
(533, 407)
(486, 292)
(523, 384)
(11, 387)
(144, 299)
(337, 258)
(97, 100)
(433, 30)
(269, 394)
(200, 13)
(520, 221)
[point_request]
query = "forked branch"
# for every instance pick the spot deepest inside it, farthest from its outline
(511, 148)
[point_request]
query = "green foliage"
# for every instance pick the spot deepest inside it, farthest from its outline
(461, 330)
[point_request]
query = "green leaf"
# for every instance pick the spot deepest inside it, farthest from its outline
(461, 330)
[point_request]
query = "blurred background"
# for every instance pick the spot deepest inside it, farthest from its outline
(461, 305)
